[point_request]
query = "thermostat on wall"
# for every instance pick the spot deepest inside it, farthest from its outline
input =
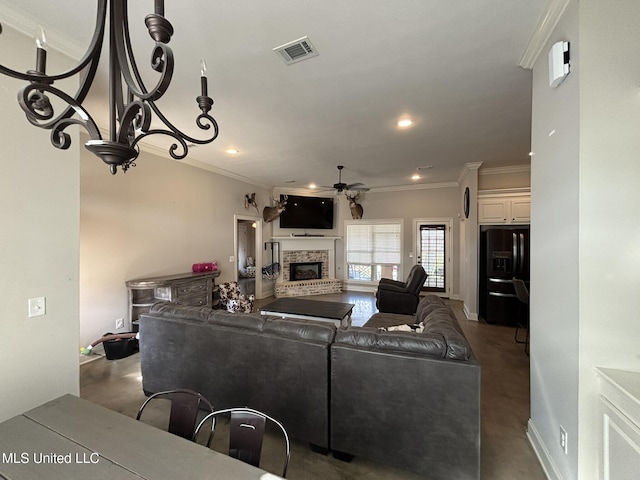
(558, 63)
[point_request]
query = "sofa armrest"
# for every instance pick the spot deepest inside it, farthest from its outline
(388, 283)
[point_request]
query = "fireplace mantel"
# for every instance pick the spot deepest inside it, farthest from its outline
(304, 238)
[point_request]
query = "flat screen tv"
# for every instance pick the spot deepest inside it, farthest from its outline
(307, 212)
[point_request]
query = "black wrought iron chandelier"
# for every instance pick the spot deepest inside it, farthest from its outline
(129, 115)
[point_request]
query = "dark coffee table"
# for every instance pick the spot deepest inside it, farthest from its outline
(334, 312)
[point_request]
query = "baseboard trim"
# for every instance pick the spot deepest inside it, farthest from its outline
(468, 314)
(549, 467)
(350, 287)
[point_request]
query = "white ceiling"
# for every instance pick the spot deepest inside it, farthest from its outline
(452, 66)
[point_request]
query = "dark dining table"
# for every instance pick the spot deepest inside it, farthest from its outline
(71, 438)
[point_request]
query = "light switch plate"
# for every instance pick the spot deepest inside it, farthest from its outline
(37, 306)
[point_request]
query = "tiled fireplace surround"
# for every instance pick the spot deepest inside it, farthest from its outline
(312, 249)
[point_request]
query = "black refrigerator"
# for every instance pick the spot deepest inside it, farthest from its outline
(504, 254)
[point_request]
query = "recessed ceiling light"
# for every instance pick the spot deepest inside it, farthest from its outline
(232, 151)
(415, 177)
(405, 122)
(312, 185)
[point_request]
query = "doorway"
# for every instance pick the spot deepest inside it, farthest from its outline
(248, 254)
(432, 244)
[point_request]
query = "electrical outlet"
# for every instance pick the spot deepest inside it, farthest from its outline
(37, 306)
(564, 440)
(120, 323)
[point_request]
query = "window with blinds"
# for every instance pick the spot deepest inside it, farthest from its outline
(433, 255)
(373, 251)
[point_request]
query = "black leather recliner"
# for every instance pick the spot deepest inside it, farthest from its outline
(401, 297)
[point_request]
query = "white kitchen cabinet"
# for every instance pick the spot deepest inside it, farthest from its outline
(504, 210)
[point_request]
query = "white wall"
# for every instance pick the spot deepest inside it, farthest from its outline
(585, 228)
(157, 219)
(39, 237)
(609, 201)
(470, 245)
(554, 288)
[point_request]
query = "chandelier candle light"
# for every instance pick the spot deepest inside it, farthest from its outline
(130, 116)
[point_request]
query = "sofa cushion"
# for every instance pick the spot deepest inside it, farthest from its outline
(439, 322)
(429, 304)
(424, 343)
(238, 320)
(443, 316)
(323, 332)
(185, 312)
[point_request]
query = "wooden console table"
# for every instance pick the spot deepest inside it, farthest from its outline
(197, 289)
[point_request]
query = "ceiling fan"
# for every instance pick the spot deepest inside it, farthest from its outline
(340, 186)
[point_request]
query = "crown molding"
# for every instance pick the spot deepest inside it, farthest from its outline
(504, 192)
(220, 171)
(546, 24)
(162, 152)
(394, 188)
(422, 186)
(468, 167)
(28, 26)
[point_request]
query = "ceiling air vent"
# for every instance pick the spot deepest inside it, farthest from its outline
(296, 51)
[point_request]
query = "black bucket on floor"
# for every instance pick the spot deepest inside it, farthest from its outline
(119, 348)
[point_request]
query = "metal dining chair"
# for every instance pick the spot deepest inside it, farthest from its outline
(523, 295)
(185, 409)
(246, 434)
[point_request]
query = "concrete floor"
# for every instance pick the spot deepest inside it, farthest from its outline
(505, 450)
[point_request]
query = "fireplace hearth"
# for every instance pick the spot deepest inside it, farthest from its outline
(305, 271)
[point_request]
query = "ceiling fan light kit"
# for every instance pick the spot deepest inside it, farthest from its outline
(341, 186)
(130, 112)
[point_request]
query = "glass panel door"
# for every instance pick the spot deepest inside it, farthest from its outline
(432, 255)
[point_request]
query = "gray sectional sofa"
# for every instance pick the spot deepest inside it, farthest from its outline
(411, 400)
(407, 399)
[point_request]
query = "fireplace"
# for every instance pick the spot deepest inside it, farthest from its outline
(307, 250)
(305, 271)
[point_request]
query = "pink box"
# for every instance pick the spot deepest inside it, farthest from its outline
(204, 267)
